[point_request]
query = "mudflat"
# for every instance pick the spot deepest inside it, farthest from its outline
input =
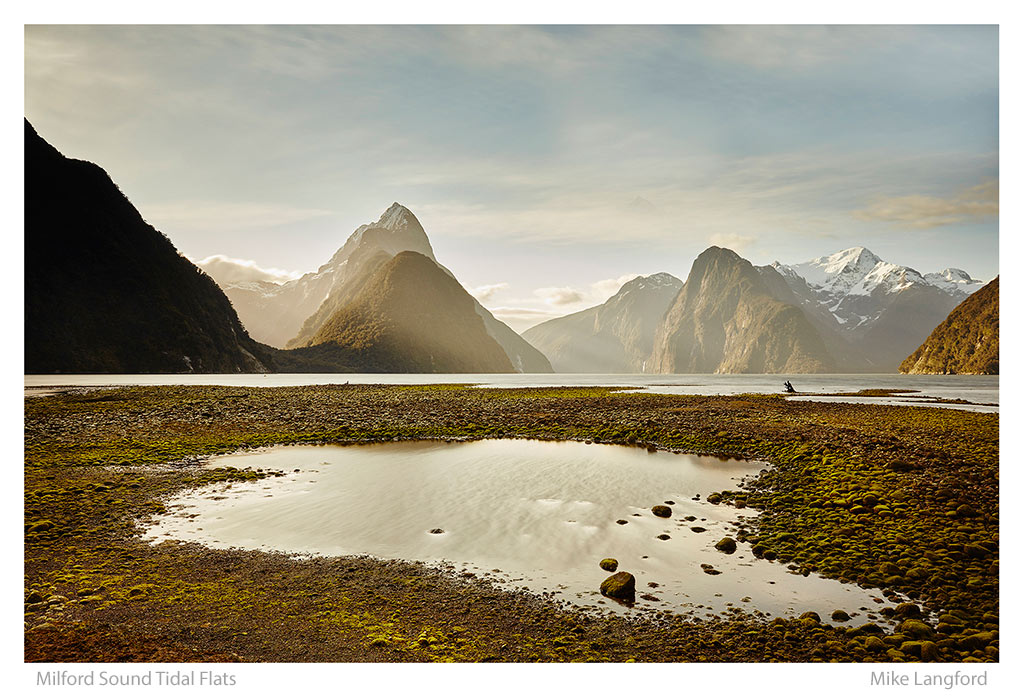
(902, 499)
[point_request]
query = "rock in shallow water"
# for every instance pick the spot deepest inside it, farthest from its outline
(621, 586)
(662, 511)
(727, 545)
(609, 564)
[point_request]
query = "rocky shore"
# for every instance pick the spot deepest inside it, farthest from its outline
(900, 498)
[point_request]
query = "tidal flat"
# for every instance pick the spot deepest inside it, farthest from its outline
(899, 499)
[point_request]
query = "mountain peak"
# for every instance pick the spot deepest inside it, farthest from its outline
(716, 252)
(394, 218)
(648, 283)
(856, 258)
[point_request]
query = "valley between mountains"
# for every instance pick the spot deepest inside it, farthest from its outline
(106, 292)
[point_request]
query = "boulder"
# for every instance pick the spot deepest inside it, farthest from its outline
(840, 615)
(915, 629)
(908, 610)
(973, 550)
(873, 643)
(930, 651)
(966, 511)
(727, 545)
(978, 641)
(869, 629)
(911, 648)
(662, 511)
(609, 564)
(621, 586)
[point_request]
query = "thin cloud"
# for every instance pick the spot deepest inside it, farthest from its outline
(602, 290)
(225, 270)
(732, 241)
(486, 292)
(559, 296)
(924, 212)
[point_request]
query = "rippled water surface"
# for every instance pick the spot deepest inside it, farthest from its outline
(521, 513)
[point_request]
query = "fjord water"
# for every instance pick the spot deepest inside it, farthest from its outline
(522, 513)
(974, 388)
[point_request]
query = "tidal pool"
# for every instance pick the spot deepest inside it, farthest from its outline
(520, 513)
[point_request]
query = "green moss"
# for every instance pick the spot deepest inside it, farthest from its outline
(129, 449)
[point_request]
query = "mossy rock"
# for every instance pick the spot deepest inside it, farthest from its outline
(978, 641)
(621, 586)
(911, 648)
(898, 465)
(916, 629)
(727, 545)
(966, 511)
(609, 564)
(975, 550)
(907, 611)
(662, 511)
(714, 498)
(930, 651)
(810, 615)
(34, 597)
(840, 615)
(873, 643)
(40, 526)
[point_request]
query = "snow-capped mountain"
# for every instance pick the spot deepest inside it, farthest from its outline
(881, 309)
(953, 280)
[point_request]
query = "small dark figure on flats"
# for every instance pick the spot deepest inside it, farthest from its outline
(789, 387)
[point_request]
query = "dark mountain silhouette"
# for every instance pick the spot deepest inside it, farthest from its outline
(726, 319)
(409, 315)
(967, 342)
(107, 292)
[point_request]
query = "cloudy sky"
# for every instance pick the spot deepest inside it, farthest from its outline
(547, 164)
